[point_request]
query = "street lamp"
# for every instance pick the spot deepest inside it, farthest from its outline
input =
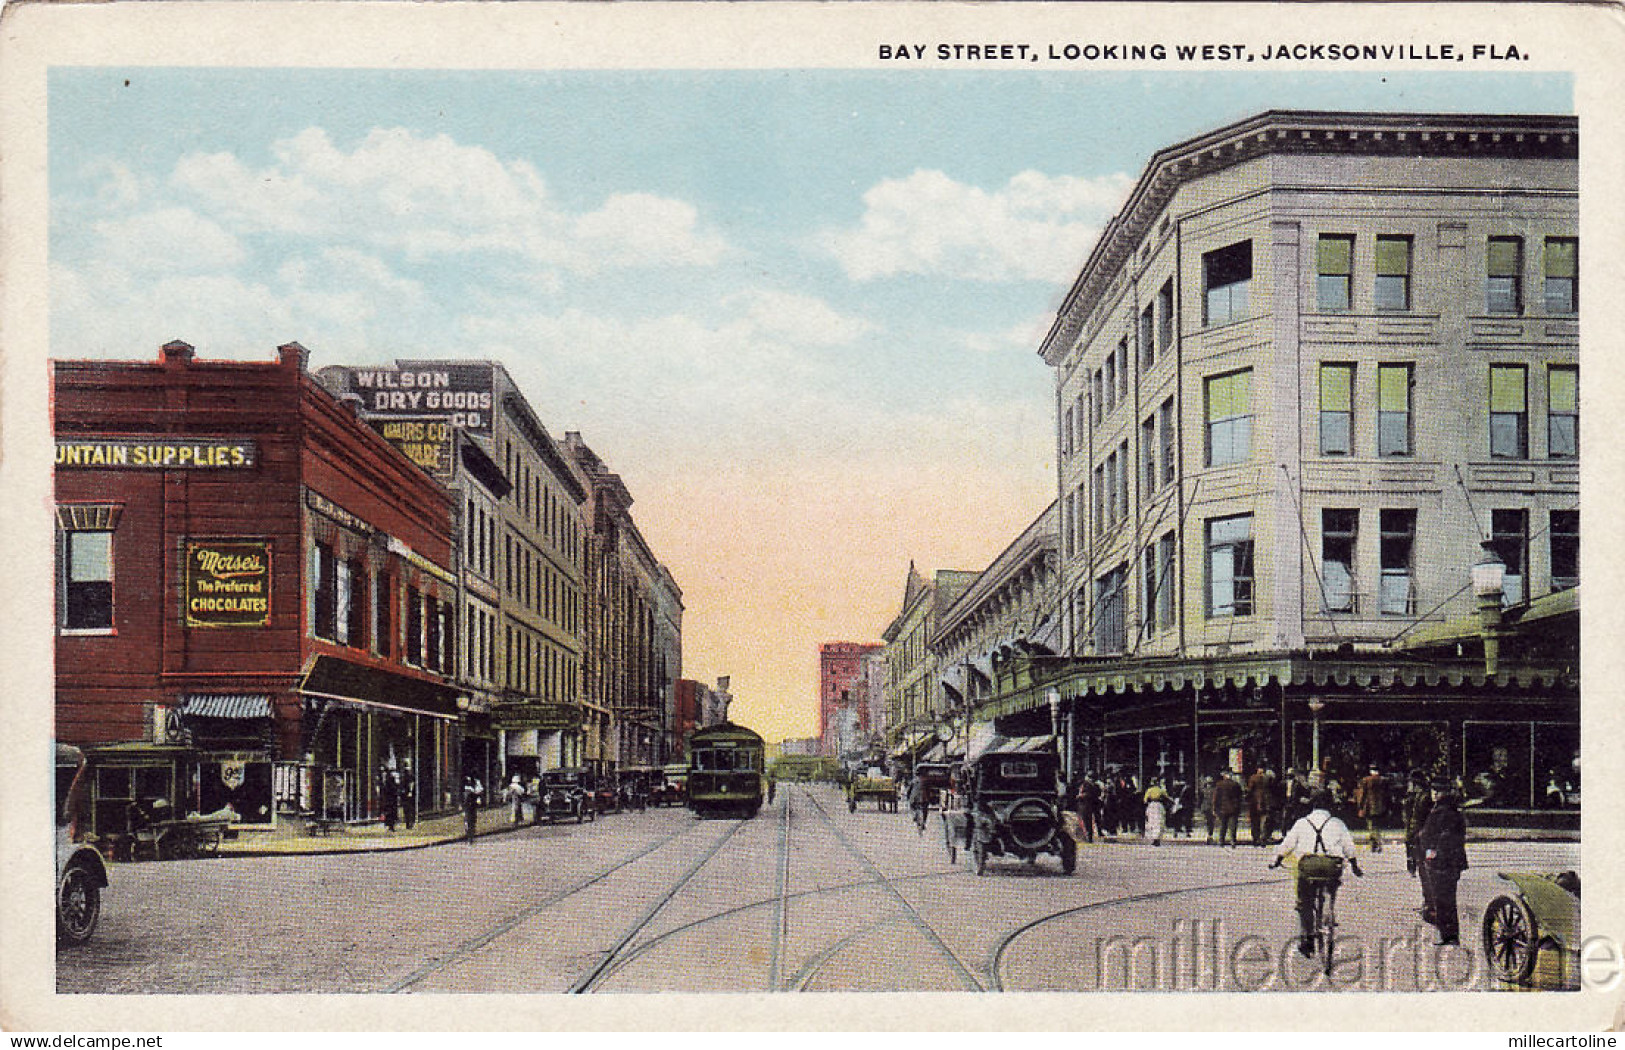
(1054, 698)
(1316, 706)
(1489, 579)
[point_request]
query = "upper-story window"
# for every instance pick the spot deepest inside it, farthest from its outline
(1165, 423)
(87, 580)
(1392, 290)
(1562, 266)
(1334, 271)
(1336, 410)
(1563, 411)
(1165, 317)
(1394, 410)
(1111, 382)
(1509, 412)
(1229, 418)
(1227, 276)
(1565, 549)
(324, 592)
(1230, 566)
(1504, 281)
(1148, 338)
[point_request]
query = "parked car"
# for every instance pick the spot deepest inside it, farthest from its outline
(676, 784)
(81, 874)
(1010, 806)
(565, 795)
(606, 793)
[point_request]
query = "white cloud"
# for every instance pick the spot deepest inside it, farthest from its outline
(166, 241)
(1036, 228)
(430, 196)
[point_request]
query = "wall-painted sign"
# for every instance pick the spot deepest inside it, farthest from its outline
(227, 583)
(547, 718)
(427, 442)
(461, 394)
(153, 454)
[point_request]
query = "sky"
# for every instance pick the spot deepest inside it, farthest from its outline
(798, 311)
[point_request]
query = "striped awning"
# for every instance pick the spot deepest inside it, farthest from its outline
(227, 705)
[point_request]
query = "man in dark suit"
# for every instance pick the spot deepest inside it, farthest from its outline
(1371, 796)
(1418, 803)
(1443, 844)
(1226, 806)
(1259, 788)
(1086, 802)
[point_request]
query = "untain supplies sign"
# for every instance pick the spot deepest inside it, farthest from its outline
(228, 583)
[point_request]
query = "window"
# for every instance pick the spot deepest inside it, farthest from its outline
(1338, 529)
(1336, 410)
(381, 641)
(1082, 421)
(1148, 589)
(87, 580)
(1148, 345)
(1165, 580)
(1565, 540)
(1397, 541)
(1229, 418)
(1334, 271)
(1509, 537)
(1392, 290)
(1562, 412)
(1227, 275)
(1066, 434)
(1122, 479)
(1166, 422)
(1068, 509)
(414, 627)
(325, 597)
(1111, 382)
(1110, 636)
(1509, 418)
(1562, 266)
(1148, 453)
(1099, 500)
(1165, 317)
(1083, 503)
(1123, 371)
(1393, 410)
(1099, 399)
(1504, 262)
(1111, 488)
(1230, 566)
(355, 627)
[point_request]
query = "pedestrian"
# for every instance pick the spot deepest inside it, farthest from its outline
(515, 793)
(1275, 817)
(409, 796)
(533, 791)
(1208, 820)
(1086, 803)
(1418, 803)
(1227, 799)
(1371, 800)
(1443, 843)
(473, 792)
(1259, 787)
(390, 793)
(1156, 812)
(1294, 798)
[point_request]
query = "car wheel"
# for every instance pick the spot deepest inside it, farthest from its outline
(78, 905)
(1511, 939)
(978, 857)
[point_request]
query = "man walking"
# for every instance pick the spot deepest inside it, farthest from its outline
(1443, 843)
(1259, 786)
(473, 790)
(1087, 806)
(1371, 798)
(1418, 803)
(390, 790)
(1227, 806)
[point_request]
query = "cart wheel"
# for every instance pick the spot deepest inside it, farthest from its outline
(1069, 855)
(978, 857)
(78, 905)
(1511, 939)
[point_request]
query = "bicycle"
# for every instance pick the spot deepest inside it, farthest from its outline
(1325, 876)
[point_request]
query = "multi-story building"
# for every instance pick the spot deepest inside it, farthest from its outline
(871, 691)
(255, 594)
(633, 620)
(522, 552)
(1011, 608)
(1315, 367)
(840, 673)
(915, 700)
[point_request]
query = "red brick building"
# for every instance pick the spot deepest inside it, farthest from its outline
(255, 597)
(840, 685)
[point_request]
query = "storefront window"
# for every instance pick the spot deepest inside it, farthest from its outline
(1496, 770)
(1557, 766)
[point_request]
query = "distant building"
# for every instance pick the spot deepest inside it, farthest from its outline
(915, 700)
(839, 688)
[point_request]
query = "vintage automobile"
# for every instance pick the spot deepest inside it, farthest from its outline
(872, 783)
(1544, 913)
(1010, 806)
(634, 791)
(675, 778)
(564, 795)
(932, 779)
(606, 793)
(81, 874)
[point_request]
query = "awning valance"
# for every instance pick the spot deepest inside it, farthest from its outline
(226, 705)
(331, 678)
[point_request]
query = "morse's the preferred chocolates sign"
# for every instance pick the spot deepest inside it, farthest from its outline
(228, 583)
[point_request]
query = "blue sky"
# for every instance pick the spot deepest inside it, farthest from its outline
(797, 310)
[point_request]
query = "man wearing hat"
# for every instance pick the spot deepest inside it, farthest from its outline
(1418, 802)
(1442, 842)
(1371, 798)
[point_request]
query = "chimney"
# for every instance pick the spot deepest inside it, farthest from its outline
(176, 354)
(293, 356)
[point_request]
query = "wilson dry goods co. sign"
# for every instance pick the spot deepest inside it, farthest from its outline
(228, 583)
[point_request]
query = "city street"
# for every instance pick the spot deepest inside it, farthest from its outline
(805, 897)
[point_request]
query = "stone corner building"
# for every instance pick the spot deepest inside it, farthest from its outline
(1315, 367)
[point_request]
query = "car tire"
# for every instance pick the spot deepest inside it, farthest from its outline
(78, 905)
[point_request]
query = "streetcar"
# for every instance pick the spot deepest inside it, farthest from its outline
(725, 771)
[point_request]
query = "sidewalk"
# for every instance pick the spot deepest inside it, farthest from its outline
(291, 837)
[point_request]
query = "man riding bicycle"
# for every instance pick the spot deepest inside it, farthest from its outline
(1322, 843)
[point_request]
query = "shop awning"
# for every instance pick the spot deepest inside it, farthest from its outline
(996, 742)
(331, 678)
(227, 705)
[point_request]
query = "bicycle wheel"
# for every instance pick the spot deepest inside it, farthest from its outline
(1328, 925)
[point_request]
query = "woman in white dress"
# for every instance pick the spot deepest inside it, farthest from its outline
(1156, 812)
